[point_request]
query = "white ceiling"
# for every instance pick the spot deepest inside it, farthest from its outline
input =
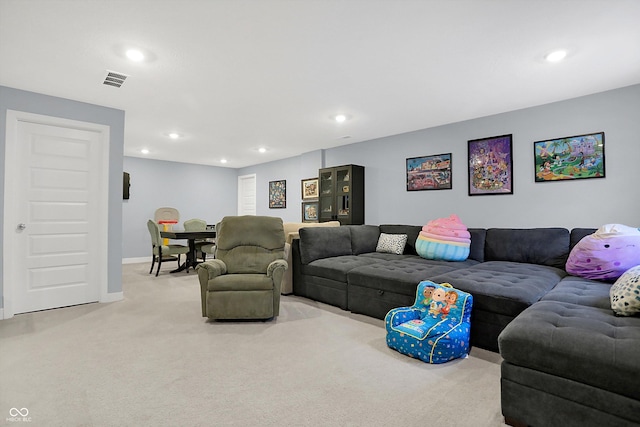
(236, 75)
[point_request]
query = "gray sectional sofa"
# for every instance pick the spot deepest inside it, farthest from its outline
(567, 360)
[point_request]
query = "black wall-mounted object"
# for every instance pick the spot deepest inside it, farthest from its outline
(126, 183)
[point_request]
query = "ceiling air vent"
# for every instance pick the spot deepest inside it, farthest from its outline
(114, 78)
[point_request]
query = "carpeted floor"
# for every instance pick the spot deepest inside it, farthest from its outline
(152, 360)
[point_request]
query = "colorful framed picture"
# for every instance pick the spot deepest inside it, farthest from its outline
(569, 158)
(429, 173)
(277, 194)
(310, 189)
(490, 165)
(309, 211)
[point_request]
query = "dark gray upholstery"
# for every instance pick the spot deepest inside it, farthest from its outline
(586, 347)
(324, 242)
(364, 238)
(544, 246)
(503, 287)
(478, 238)
(576, 290)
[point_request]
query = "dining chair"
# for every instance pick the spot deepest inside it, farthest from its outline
(166, 216)
(161, 252)
(209, 248)
(197, 224)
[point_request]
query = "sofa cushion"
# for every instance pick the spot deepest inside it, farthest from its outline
(398, 277)
(584, 344)
(625, 293)
(364, 238)
(580, 291)
(391, 243)
(503, 287)
(411, 231)
(544, 246)
(335, 268)
(578, 233)
(324, 242)
(478, 237)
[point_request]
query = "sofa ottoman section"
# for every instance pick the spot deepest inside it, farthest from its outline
(591, 356)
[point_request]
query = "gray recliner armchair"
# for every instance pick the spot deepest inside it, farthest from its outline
(244, 280)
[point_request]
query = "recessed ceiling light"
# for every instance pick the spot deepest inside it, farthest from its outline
(135, 55)
(223, 160)
(555, 56)
(174, 135)
(340, 118)
(262, 150)
(144, 151)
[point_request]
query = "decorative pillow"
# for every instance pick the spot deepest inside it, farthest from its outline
(605, 254)
(625, 293)
(391, 243)
(446, 239)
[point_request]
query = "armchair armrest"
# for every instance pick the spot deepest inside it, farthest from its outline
(277, 264)
(214, 268)
(401, 315)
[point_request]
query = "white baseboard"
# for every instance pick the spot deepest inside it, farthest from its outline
(112, 297)
(136, 260)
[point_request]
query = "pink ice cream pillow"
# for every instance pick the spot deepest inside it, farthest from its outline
(605, 254)
(446, 239)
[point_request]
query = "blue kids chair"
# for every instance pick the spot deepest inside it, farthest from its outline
(436, 328)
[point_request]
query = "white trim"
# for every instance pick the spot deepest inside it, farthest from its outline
(112, 297)
(12, 119)
(137, 260)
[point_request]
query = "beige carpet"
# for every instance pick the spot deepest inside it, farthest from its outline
(152, 360)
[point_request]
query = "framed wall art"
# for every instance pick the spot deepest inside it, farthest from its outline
(569, 158)
(429, 172)
(490, 165)
(277, 194)
(310, 189)
(309, 211)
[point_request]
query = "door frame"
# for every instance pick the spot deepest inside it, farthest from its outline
(10, 196)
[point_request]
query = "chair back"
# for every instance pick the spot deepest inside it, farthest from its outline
(154, 231)
(167, 214)
(248, 244)
(195, 224)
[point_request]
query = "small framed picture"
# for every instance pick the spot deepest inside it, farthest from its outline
(309, 211)
(569, 158)
(490, 164)
(310, 189)
(429, 173)
(277, 194)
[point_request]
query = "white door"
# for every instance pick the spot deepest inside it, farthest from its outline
(55, 231)
(247, 195)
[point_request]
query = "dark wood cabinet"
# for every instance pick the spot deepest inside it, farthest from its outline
(342, 194)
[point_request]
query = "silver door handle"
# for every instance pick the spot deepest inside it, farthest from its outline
(22, 226)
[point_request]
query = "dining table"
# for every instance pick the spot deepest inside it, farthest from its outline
(191, 236)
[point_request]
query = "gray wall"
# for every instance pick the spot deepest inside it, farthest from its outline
(582, 203)
(197, 191)
(14, 99)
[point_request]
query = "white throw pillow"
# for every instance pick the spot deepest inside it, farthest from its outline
(625, 293)
(391, 243)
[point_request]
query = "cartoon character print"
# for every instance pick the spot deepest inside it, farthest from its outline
(451, 297)
(437, 302)
(427, 292)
